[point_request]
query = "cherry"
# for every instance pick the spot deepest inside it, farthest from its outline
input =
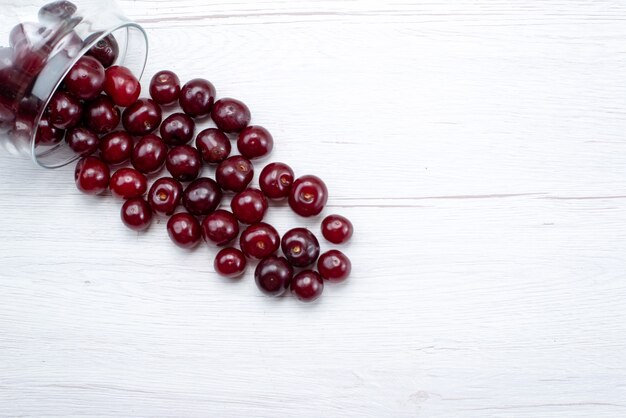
(337, 229)
(300, 247)
(91, 175)
(308, 196)
(276, 180)
(197, 97)
(334, 266)
(85, 79)
(273, 275)
(82, 141)
(259, 240)
(136, 214)
(116, 147)
(230, 115)
(65, 110)
(307, 286)
(255, 142)
(142, 117)
(184, 230)
(58, 10)
(234, 173)
(165, 88)
(249, 206)
(121, 85)
(128, 183)
(202, 196)
(220, 227)
(48, 134)
(105, 50)
(149, 154)
(164, 195)
(183, 162)
(101, 115)
(214, 145)
(230, 263)
(177, 129)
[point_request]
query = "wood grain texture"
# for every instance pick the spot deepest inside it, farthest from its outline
(479, 148)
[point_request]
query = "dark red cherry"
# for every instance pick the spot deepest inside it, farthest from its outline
(234, 173)
(48, 134)
(259, 240)
(165, 88)
(214, 145)
(105, 50)
(300, 247)
(86, 78)
(334, 266)
(255, 142)
(149, 154)
(308, 196)
(164, 195)
(91, 175)
(177, 129)
(82, 141)
(65, 110)
(337, 229)
(58, 10)
(121, 85)
(220, 227)
(184, 230)
(136, 214)
(273, 275)
(183, 162)
(307, 286)
(202, 196)
(127, 183)
(230, 263)
(116, 147)
(101, 115)
(276, 180)
(230, 115)
(197, 97)
(249, 206)
(142, 117)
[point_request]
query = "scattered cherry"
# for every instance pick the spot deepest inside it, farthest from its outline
(234, 173)
(165, 195)
(308, 196)
(230, 263)
(58, 10)
(91, 175)
(184, 230)
(202, 196)
(337, 229)
(136, 214)
(48, 134)
(273, 275)
(116, 147)
(105, 50)
(121, 85)
(149, 154)
(307, 286)
(230, 115)
(197, 97)
(255, 142)
(334, 266)
(142, 117)
(276, 180)
(259, 240)
(101, 115)
(82, 141)
(300, 247)
(128, 183)
(214, 145)
(85, 79)
(220, 227)
(165, 88)
(249, 206)
(183, 162)
(177, 129)
(65, 110)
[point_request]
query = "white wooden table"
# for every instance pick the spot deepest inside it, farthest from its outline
(479, 148)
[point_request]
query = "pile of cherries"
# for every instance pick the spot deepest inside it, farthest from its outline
(123, 139)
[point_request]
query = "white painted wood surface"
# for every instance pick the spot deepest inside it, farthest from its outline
(478, 146)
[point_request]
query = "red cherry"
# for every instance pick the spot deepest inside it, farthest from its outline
(91, 175)
(334, 266)
(337, 229)
(230, 115)
(307, 286)
(136, 214)
(255, 142)
(121, 85)
(128, 183)
(184, 230)
(230, 263)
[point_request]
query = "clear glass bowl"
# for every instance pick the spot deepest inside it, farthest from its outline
(38, 50)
